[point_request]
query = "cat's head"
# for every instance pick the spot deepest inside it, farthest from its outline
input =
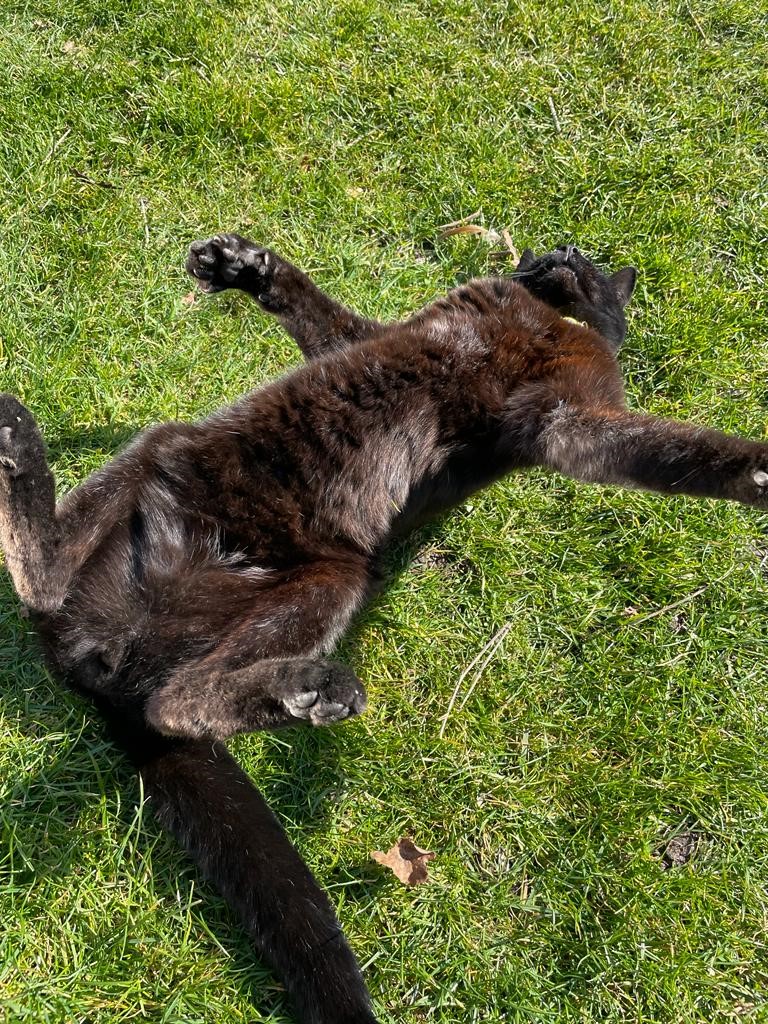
(575, 287)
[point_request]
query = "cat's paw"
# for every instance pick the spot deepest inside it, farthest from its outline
(20, 442)
(229, 261)
(322, 692)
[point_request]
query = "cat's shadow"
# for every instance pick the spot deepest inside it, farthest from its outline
(304, 768)
(109, 438)
(44, 809)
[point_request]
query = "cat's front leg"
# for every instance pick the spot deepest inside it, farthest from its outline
(615, 446)
(316, 322)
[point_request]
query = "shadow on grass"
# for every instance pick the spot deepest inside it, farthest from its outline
(42, 818)
(109, 438)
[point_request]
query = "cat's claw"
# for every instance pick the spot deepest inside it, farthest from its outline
(326, 692)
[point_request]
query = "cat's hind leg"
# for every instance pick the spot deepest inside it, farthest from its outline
(615, 446)
(267, 672)
(317, 323)
(215, 701)
(29, 531)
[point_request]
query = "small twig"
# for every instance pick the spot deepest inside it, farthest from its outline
(668, 607)
(489, 649)
(555, 118)
(90, 181)
(143, 204)
(458, 223)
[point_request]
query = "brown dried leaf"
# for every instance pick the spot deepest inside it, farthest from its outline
(189, 298)
(406, 860)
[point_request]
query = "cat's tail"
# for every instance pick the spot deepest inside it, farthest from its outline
(203, 798)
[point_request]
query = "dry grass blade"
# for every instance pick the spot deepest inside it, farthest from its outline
(143, 204)
(555, 118)
(511, 252)
(635, 619)
(484, 656)
(463, 220)
(507, 239)
(472, 229)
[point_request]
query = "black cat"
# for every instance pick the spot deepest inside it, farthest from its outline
(192, 586)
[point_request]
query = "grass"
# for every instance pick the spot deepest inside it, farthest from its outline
(627, 701)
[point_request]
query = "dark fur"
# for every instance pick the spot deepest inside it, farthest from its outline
(191, 586)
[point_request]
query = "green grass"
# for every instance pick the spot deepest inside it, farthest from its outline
(627, 701)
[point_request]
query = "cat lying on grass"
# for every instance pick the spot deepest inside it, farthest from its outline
(193, 586)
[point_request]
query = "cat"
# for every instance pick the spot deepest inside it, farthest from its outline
(193, 586)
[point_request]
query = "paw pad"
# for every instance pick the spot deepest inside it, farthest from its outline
(330, 693)
(218, 263)
(20, 440)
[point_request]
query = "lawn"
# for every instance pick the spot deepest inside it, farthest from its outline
(625, 705)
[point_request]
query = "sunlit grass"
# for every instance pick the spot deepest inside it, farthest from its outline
(626, 702)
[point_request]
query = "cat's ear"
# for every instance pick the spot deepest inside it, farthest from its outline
(527, 259)
(624, 283)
